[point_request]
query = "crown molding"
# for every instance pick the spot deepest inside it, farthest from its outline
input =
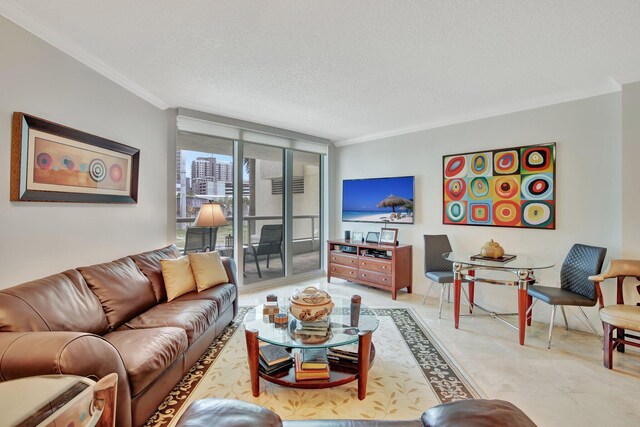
(19, 16)
(610, 85)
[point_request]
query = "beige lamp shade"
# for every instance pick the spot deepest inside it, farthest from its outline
(210, 215)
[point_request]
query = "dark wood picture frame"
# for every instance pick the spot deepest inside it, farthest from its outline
(388, 236)
(372, 237)
(20, 164)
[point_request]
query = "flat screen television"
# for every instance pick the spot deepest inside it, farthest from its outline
(384, 200)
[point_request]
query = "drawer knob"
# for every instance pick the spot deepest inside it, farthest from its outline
(384, 266)
(384, 279)
(364, 275)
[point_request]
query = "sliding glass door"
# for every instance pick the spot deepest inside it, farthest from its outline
(269, 189)
(306, 212)
(204, 174)
(262, 216)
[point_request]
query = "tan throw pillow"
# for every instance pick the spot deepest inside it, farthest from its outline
(177, 275)
(207, 269)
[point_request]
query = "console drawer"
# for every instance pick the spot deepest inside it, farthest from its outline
(374, 277)
(373, 264)
(340, 258)
(343, 270)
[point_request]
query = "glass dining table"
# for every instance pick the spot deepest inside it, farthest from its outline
(519, 272)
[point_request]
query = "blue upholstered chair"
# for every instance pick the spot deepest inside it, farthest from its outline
(575, 288)
(436, 268)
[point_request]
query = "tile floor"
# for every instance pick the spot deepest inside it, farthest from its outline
(564, 386)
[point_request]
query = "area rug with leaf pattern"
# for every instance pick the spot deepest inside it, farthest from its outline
(411, 373)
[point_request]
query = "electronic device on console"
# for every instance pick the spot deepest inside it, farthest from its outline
(377, 253)
(348, 249)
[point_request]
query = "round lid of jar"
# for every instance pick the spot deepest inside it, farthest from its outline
(310, 296)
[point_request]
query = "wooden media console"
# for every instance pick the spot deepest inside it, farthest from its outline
(381, 266)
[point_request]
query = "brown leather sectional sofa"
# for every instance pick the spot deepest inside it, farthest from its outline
(113, 317)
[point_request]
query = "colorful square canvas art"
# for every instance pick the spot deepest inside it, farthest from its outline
(509, 187)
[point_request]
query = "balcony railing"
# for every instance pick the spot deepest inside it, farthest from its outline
(311, 235)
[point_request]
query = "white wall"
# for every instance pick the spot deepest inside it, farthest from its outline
(631, 170)
(37, 239)
(588, 190)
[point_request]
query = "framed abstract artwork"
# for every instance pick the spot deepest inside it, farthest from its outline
(54, 163)
(508, 187)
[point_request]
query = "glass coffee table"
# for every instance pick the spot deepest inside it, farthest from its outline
(350, 322)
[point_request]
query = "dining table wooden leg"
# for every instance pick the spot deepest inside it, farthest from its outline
(472, 288)
(522, 313)
(457, 284)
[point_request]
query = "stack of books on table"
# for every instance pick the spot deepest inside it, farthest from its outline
(312, 364)
(274, 358)
(345, 355)
(320, 328)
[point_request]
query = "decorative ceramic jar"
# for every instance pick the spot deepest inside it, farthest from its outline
(310, 304)
(492, 250)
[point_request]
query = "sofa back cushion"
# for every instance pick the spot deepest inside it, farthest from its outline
(122, 289)
(149, 264)
(61, 302)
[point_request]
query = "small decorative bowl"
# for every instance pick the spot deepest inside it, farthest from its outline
(310, 304)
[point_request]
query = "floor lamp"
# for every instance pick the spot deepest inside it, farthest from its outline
(210, 215)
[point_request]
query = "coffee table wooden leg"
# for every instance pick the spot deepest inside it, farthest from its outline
(364, 352)
(252, 356)
(522, 313)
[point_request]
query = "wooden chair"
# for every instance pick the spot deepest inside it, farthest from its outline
(621, 317)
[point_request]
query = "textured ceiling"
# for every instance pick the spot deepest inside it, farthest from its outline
(348, 70)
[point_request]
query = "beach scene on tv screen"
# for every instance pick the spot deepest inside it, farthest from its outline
(378, 200)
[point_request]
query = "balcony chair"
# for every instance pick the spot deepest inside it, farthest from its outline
(575, 289)
(270, 244)
(619, 318)
(436, 268)
(197, 239)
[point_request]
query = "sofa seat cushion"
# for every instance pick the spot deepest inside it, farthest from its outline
(146, 353)
(149, 264)
(194, 317)
(223, 295)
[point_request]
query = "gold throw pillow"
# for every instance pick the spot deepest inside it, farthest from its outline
(207, 269)
(177, 275)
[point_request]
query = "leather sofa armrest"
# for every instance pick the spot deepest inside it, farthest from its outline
(477, 413)
(24, 354)
(230, 268)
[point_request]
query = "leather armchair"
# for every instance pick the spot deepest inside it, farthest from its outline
(463, 413)
(619, 317)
